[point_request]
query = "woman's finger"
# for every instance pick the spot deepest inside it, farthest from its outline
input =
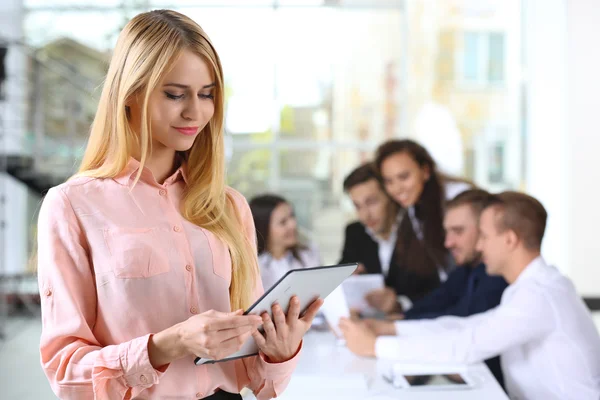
(270, 332)
(259, 339)
(228, 334)
(223, 321)
(229, 347)
(293, 310)
(280, 322)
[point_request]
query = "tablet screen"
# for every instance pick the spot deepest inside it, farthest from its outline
(435, 380)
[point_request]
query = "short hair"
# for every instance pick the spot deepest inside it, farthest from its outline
(521, 213)
(362, 174)
(477, 199)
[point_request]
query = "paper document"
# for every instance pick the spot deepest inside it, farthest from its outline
(335, 307)
(356, 288)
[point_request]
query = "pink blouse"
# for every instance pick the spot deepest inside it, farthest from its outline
(117, 263)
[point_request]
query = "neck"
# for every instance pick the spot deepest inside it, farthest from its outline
(518, 265)
(161, 162)
(387, 230)
(384, 236)
(474, 263)
(278, 252)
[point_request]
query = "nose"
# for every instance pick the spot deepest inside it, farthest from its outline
(293, 224)
(366, 213)
(392, 188)
(448, 242)
(192, 110)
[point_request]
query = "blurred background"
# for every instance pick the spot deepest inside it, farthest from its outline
(501, 92)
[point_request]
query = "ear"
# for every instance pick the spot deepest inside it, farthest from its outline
(511, 240)
(426, 172)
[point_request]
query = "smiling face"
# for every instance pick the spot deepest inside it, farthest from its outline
(462, 234)
(404, 178)
(282, 227)
(180, 106)
(373, 206)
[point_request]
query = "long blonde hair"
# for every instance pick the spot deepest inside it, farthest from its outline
(145, 50)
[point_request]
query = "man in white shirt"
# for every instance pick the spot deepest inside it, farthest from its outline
(549, 346)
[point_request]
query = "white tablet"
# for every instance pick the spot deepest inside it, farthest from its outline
(308, 284)
(451, 380)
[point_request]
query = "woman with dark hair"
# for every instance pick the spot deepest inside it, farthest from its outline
(279, 249)
(411, 178)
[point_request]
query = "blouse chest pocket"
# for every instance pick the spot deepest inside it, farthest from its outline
(137, 252)
(221, 259)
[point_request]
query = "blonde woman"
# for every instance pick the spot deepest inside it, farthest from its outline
(146, 258)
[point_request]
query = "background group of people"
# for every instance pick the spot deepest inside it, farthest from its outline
(426, 233)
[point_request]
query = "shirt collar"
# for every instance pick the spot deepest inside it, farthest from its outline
(532, 269)
(127, 176)
(267, 258)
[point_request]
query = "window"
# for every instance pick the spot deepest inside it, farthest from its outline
(483, 58)
(313, 87)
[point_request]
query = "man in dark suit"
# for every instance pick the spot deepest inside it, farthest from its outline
(371, 240)
(468, 290)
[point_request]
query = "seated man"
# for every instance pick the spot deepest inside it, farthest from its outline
(549, 345)
(469, 289)
(371, 241)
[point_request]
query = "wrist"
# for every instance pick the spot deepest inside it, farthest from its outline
(391, 329)
(165, 347)
(282, 358)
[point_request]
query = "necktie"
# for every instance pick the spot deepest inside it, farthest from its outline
(470, 289)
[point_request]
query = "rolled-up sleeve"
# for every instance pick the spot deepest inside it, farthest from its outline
(266, 380)
(76, 364)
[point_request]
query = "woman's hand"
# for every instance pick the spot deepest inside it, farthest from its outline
(212, 334)
(282, 337)
(215, 334)
(383, 300)
(360, 270)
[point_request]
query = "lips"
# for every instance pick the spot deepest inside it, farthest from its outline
(402, 198)
(187, 130)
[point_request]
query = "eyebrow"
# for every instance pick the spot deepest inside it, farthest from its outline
(182, 86)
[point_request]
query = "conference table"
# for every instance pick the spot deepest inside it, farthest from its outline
(328, 370)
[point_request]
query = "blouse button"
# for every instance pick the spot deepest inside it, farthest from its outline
(143, 379)
(188, 267)
(162, 192)
(199, 395)
(193, 310)
(176, 228)
(48, 292)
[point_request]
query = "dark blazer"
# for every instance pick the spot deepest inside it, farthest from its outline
(360, 247)
(452, 297)
(467, 291)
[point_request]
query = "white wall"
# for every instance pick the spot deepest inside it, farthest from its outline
(563, 136)
(13, 116)
(548, 166)
(583, 132)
